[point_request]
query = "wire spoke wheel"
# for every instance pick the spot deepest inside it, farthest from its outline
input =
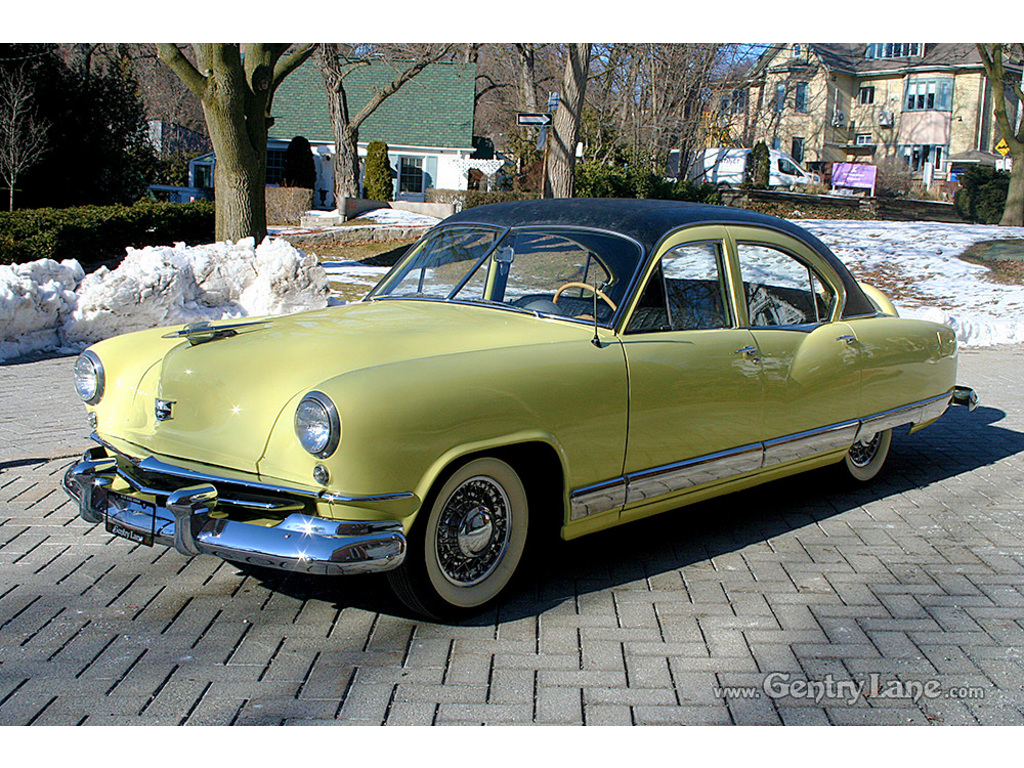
(863, 452)
(466, 550)
(473, 532)
(865, 458)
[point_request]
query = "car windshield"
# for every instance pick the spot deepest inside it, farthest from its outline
(545, 269)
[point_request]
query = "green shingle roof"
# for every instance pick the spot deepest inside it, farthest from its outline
(434, 109)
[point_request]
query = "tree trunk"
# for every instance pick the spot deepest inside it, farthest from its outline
(241, 200)
(346, 164)
(560, 178)
(1013, 213)
(237, 92)
(240, 173)
(527, 77)
(1002, 83)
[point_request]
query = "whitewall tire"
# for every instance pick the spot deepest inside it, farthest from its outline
(466, 551)
(865, 458)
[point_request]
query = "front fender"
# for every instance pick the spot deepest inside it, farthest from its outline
(403, 423)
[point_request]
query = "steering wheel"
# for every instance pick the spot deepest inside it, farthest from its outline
(600, 294)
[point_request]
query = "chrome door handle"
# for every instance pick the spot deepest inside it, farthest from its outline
(746, 351)
(849, 338)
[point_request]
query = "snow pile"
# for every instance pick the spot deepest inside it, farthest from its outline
(45, 305)
(916, 264)
(34, 300)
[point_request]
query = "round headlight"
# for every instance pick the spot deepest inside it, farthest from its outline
(89, 379)
(317, 424)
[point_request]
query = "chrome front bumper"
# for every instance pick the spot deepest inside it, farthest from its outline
(189, 519)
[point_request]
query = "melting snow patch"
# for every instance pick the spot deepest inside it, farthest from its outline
(920, 259)
(396, 216)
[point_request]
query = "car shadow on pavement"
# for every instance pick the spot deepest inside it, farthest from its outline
(561, 572)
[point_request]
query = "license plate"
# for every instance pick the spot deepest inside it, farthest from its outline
(136, 520)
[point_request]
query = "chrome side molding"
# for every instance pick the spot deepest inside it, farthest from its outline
(803, 444)
(662, 481)
(669, 479)
(595, 499)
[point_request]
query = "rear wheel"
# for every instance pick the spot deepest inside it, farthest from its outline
(461, 558)
(865, 458)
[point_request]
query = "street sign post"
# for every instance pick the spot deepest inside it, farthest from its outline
(542, 120)
(535, 119)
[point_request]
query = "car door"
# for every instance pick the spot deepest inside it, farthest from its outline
(695, 391)
(790, 302)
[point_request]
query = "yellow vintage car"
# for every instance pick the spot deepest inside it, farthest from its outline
(556, 366)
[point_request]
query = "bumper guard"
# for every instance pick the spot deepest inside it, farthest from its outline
(186, 520)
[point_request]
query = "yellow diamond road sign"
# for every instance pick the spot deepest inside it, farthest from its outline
(1003, 148)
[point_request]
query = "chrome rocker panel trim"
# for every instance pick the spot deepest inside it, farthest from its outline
(299, 543)
(660, 482)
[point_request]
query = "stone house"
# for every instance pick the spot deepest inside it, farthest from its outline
(929, 104)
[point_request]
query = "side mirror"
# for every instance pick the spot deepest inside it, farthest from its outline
(504, 255)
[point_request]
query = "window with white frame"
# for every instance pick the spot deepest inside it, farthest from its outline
(864, 140)
(892, 50)
(780, 97)
(935, 93)
(866, 95)
(916, 156)
(410, 178)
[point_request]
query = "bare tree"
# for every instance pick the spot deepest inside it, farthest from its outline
(336, 62)
(1003, 83)
(526, 59)
(559, 180)
(22, 131)
(236, 84)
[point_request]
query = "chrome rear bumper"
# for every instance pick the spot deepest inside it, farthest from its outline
(965, 396)
(187, 519)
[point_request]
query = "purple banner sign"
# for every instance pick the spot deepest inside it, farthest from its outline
(858, 175)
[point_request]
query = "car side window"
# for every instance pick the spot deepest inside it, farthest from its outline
(779, 289)
(686, 292)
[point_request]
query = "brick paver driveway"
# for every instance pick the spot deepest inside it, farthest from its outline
(918, 578)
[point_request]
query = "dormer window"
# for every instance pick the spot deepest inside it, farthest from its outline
(796, 50)
(892, 50)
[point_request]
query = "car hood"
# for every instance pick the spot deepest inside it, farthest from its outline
(227, 394)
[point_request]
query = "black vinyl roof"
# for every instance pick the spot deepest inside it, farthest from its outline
(648, 221)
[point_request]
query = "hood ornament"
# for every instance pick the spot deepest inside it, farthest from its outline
(204, 331)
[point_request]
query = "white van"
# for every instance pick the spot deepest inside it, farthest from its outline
(726, 167)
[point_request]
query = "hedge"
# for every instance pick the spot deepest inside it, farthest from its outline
(637, 180)
(982, 194)
(94, 234)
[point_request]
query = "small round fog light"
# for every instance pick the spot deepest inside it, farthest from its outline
(321, 475)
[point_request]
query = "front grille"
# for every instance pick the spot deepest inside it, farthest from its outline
(237, 495)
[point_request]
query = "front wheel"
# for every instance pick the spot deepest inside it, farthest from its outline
(465, 553)
(865, 458)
